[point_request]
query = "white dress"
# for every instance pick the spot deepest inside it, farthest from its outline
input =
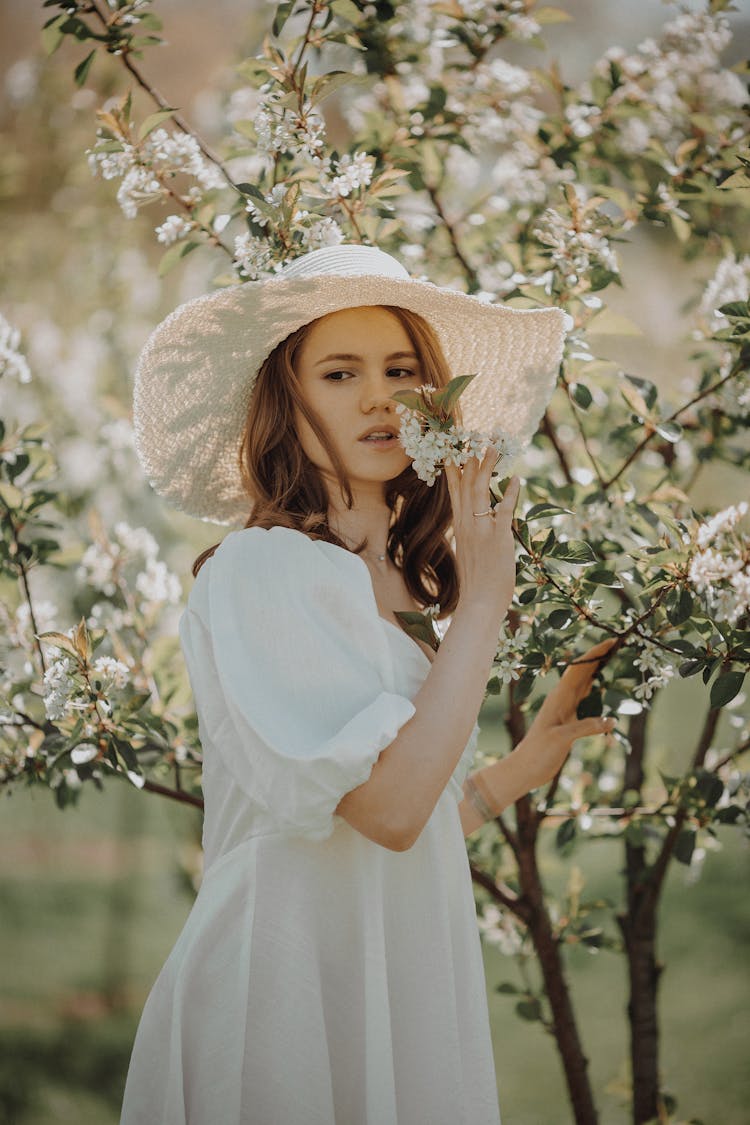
(320, 978)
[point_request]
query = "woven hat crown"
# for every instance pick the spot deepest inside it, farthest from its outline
(347, 260)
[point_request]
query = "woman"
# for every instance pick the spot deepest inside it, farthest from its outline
(330, 971)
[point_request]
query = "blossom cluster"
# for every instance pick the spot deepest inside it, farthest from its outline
(102, 567)
(431, 448)
(720, 569)
(281, 130)
(12, 361)
(666, 81)
(145, 167)
(254, 257)
(577, 244)
(657, 668)
(509, 652)
(501, 928)
(65, 690)
(340, 178)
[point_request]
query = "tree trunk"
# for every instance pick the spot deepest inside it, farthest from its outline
(574, 1061)
(639, 931)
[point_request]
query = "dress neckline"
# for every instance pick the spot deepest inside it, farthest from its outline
(391, 624)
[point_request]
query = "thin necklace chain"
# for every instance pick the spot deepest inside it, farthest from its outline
(380, 558)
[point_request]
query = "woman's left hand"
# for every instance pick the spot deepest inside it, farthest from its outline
(555, 728)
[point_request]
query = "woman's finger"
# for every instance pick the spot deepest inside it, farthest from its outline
(585, 728)
(586, 666)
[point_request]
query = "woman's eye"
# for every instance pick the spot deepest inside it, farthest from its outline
(401, 371)
(334, 375)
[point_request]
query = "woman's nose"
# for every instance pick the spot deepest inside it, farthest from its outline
(377, 393)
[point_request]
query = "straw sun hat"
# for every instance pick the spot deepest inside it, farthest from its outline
(196, 373)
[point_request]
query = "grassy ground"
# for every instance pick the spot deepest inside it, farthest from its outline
(92, 901)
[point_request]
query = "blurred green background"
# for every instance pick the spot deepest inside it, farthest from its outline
(92, 900)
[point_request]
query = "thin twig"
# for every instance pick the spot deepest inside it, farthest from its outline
(736, 369)
(179, 121)
(469, 272)
(174, 794)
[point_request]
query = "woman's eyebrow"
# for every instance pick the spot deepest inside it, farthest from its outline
(348, 358)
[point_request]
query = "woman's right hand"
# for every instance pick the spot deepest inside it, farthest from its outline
(485, 556)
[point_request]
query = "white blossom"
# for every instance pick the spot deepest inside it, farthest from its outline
(323, 232)
(730, 282)
(173, 229)
(145, 167)
(113, 673)
(157, 584)
(20, 627)
(83, 753)
(252, 256)
(500, 928)
(12, 361)
(431, 449)
(575, 250)
(720, 570)
(279, 129)
(350, 173)
(58, 688)
(718, 526)
(509, 652)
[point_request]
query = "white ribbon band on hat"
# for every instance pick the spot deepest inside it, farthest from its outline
(196, 372)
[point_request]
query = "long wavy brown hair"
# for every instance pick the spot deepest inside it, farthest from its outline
(286, 489)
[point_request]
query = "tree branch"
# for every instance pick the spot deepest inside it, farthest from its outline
(736, 369)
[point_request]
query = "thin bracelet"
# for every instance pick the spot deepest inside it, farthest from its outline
(478, 800)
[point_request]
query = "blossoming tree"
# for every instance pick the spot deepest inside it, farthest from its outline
(408, 125)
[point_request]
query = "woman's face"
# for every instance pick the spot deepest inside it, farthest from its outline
(348, 366)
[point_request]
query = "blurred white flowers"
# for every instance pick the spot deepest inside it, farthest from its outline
(431, 449)
(500, 928)
(173, 229)
(340, 178)
(720, 570)
(12, 361)
(147, 167)
(129, 560)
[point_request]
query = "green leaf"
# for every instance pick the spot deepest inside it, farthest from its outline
(52, 33)
(507, 988)
(690, 668)
(685, 845)
(283, 12)
(529, 1009)
(545, 509)
(646, 387)
(560, 619)
(346, 10)
(735, 310)
(679, 605)
(411, 399)
(726, 687)
(565, 833)
(152, 121)
(581, 395)
(446, 397)
(573, 551)
(81, 71)
(600, 576)
(670, 431)
(329, 83)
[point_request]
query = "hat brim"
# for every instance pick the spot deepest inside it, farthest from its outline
(195, 374)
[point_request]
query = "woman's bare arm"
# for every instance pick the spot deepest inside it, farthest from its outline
(394, 804)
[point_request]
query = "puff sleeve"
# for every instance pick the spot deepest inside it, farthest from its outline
(289, 670)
